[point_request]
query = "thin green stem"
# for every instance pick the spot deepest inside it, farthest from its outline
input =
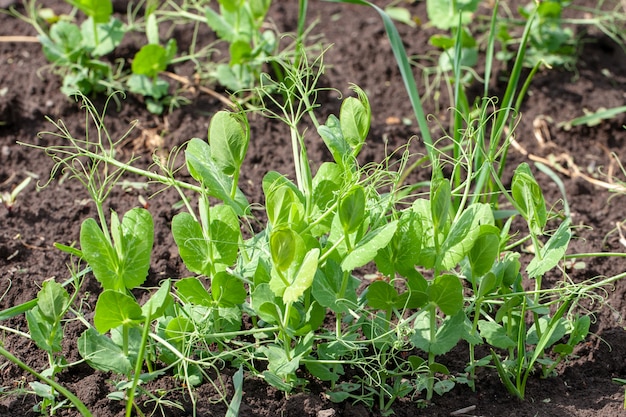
(138, 365)
(80, 406)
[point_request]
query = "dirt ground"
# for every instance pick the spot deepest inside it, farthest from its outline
(360, 54)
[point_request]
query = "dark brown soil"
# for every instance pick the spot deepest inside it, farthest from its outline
(360, 54)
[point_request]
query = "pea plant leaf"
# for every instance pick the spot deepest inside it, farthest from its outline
(335, 142)
(283, 205)
(403, 251)
(446, 291)
(354, 119)
(46, 334)
(126, 265)
(204, 169)
(446, 336)
(52, 301)
(440, 202)
(495, 334)
(352, 209)
(529, 198)
(103, 38)
(303, 278)
(552, 252)
(227, 290)
(228, 137)
(99, 10)
(367, 248)
(462, 235)
(327, 285)
(191, 290)
(159, 301)
(381, 296)
(485, 250)
(326, 185)
(115, 309)
(101, 353)
(150, 60)
(193, 247)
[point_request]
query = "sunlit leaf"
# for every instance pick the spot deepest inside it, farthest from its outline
(114, 309)
(552, 253)
(368, 247)
(191, 290)
(495, 334)
(304, 277)
(229, 139)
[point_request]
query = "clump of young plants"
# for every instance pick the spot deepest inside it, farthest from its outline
(287, 300)
(76, 51)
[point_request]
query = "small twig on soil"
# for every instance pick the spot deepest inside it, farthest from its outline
(212, 93)
(21, 39)
(622, 240)
(464, 411)
(553, 161)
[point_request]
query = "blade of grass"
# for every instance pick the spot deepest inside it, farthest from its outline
(233, 407)
(80, 406)
(405, 70)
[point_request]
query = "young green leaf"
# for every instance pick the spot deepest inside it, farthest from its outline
(463, 233)
(555, 333)
(529, 198)
(283, 207)
(285, 245)
(101, 39)
(114, 309)
(485, 250)
(367, 248)
(326, 185)
(99, 10)
(194, 248)
(335, 142)
(444, 14)
(204, 169)
(178, 329)
(352, 209)
(354, 119)
(159, 301)
(150, 60)
(102, 353)
(403, 252)
(229, 136)
(440, 202)
(303, 278)
(446, 337)
(46, 334)
(52, 301)
(125, 266)
(446, 291)
(227, 290)
(327, 285)
(552, 253)
(381, 296)
(495, 334)
(191, 290)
